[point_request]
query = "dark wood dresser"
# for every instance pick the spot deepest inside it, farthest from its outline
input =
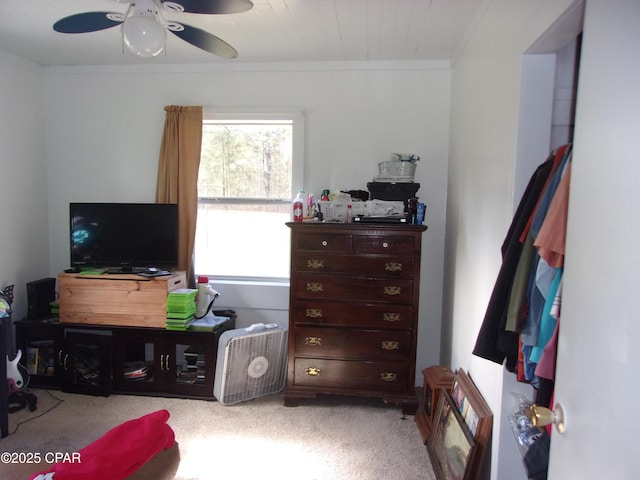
(353, 311)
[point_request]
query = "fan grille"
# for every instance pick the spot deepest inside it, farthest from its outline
(254, 366)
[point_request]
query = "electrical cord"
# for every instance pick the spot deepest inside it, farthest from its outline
(209, 307)
(60, 400)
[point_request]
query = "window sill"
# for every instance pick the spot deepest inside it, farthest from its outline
(255, 294)
(267, 282)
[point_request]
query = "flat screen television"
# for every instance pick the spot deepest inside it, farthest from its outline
(124, 237)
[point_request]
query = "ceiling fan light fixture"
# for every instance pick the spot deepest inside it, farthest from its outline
(143, 32)
(144, 28)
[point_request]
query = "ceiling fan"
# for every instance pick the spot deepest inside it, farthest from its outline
(144, 28)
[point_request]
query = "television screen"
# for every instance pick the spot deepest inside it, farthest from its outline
(125, 236)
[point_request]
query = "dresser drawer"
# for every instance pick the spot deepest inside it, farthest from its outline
(324, 242)
(342, 287)
(345, 374)
(353, 344)
(377, 265)
(352, 314)
(385, 244)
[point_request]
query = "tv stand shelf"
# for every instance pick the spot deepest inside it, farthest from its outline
(117, 299)
(99, 360)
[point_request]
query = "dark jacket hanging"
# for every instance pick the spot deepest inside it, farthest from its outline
(494, 343)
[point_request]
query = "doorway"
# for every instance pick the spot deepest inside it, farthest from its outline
(548, 95)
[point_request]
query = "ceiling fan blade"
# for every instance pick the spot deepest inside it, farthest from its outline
(213, 7)
(86, 22)
(206, 41)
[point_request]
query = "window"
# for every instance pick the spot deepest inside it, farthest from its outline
(250, 165)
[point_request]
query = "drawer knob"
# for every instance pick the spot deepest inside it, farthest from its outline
(391, 317)
(315, 263)
(313, 312)
(392, 290)
(314, 287)
(389, 377)
(325, 243)
(312, 371)
(313, 341)
(385, 245)
(390, 345)
(393, 267)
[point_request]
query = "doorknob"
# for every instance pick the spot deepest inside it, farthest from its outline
(541, 416)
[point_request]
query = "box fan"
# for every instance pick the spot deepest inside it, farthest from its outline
(251, 363)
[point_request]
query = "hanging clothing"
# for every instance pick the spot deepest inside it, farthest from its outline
(559, 156)
(551, 246)
(543, 273)
(523, 293)
(546, 368)
(493, 342)
(549, 320)
(516, 313)
(520, 293)
(546, 326)
(552, 235)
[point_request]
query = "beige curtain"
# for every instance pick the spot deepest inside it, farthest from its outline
(178, 175)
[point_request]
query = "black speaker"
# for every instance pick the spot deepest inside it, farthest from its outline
(39, 294)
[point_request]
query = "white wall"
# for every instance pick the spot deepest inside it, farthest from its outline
(486, 82)
(564, 97)
(104, 127)
(24, 254)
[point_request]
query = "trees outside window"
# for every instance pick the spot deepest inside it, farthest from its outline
(245, 187)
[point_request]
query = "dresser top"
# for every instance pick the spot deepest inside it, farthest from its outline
(372, 228)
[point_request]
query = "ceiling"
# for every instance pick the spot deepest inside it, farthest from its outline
(272, 31)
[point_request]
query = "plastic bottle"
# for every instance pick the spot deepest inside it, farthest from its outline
(298, 207)
(311, 206)
(421, 209)
(205, 296)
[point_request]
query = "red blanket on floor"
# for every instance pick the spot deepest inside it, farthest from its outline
(117, 454)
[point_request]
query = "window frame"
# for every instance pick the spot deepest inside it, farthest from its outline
(296, 117)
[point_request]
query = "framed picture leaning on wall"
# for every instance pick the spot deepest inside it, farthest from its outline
(451, 446)
(475, 412)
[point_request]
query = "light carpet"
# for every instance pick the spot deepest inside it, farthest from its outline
(324, 439)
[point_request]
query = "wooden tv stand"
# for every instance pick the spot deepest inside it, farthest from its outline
(117, 299)
(111, 336)
(101, 359)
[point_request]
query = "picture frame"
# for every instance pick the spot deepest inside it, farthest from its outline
(451, 446)
(435, 377)
(476, 414)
